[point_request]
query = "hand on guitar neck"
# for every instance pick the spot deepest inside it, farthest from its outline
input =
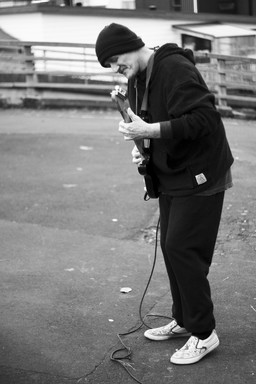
(119, 96)
(142, 144)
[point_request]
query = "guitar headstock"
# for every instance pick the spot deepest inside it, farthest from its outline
(120, 97)
(118, 92)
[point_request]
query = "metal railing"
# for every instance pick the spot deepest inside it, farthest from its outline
(41, 69)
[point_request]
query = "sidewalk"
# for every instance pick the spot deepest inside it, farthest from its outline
(72, 225)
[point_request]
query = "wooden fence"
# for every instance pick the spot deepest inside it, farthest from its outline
(64, 74)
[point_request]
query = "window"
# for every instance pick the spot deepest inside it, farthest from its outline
(227, 6)
(176, 5)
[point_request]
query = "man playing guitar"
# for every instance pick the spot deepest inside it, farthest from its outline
(190, 161)
(141, 150)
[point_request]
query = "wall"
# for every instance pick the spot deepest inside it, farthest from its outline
(23, 26)
(187, 6)
(241, 7)
(246, 7)
(83, 25)
(160, 4)
(84, 28)
(207, 6)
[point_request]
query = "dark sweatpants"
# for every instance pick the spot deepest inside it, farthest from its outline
(189, 227)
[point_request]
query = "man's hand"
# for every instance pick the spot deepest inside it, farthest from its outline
(136, 155)
(138, 129)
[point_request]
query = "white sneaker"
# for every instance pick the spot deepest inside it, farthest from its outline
(195, 349)
(166, 332)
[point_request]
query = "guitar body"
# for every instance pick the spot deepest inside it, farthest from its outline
(145, 169)
(145, 166)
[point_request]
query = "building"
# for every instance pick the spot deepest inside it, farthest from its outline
(235, 7)
(231, 35)
(221, 38)
(113, 4)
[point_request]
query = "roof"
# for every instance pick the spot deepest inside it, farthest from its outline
(213, 31)
(5, 36)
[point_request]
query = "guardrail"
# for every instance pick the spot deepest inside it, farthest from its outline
(37, 73)
(41, 73)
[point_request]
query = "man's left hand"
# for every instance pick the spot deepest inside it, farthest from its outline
(135, 130)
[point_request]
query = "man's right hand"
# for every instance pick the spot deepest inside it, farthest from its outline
(136, 155)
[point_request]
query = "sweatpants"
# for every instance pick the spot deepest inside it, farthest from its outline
(189, 227)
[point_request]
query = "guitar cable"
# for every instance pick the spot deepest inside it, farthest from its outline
(125, 351)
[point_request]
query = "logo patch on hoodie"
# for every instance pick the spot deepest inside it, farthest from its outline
(200, 179)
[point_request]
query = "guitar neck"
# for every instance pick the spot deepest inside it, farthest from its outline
(142, 145)
(122, 103)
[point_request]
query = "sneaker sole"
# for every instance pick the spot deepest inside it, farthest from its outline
(162, 338)
(195, 359)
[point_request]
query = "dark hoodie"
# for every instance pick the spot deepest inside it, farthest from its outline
(192, 153)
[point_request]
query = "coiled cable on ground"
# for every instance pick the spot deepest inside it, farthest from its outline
(125, 351)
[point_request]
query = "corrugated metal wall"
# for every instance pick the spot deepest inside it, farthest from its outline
(240, 7)
(159, 4)
(187, 6)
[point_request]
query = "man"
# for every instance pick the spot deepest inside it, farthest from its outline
(191, 160)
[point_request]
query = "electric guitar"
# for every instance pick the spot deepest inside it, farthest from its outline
(119, 96)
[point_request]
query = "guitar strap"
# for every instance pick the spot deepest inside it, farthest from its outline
(144, 105)
(146, 142)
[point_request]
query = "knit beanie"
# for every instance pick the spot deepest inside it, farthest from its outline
(116, 39)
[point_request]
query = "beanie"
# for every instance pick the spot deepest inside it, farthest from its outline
(116, 39)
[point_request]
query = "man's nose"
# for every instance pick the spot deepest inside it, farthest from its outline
(114, 67)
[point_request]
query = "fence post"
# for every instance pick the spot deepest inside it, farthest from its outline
(31, 77)
(222, 87)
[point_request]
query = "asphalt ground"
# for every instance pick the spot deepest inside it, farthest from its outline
(74, 230)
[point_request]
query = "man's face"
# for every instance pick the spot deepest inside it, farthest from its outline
(127, 64)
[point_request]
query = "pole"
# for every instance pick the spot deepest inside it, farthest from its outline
(195, 6)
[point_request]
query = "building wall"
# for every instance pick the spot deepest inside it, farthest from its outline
(187, 6)
(84, 28)
(240, 7)
(23, 27)
(54, 26)
(164, 5)
(246, 7)
(207, 6)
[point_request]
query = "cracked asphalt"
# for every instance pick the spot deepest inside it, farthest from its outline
(74, 230)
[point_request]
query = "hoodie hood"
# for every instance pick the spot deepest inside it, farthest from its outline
(173, 49)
